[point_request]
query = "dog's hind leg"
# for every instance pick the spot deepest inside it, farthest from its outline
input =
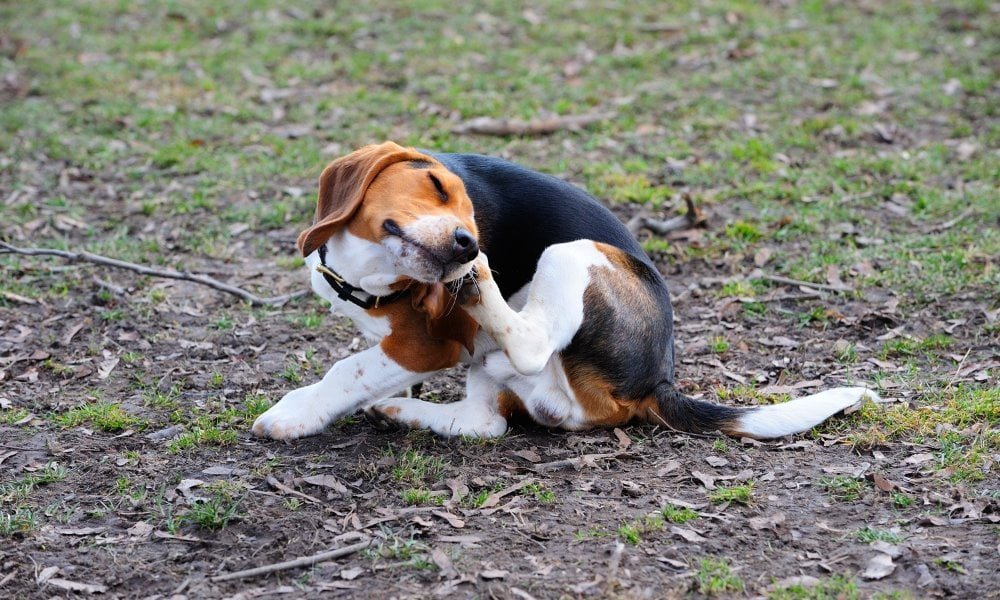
(478, 415)
(553, 311)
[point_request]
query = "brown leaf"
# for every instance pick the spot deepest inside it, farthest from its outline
(772, 521)
(453, 520)
(669, 466)
(762, 256)
(918, 459)
(80, 531)
(493, 574)
(494, 498)
(444, 563)
(706, 480)
(76, 586)
(140, 529)
(330, 482)
(882, 483)
(624, 441)
(688, 534)
(528, 455)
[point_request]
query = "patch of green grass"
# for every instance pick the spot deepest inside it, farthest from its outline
(868, 535)
(593, 533)
(904, 347)
(901, 500)
(13, 415)
(740, 494)
(220, 508)
(678, 514)
(631, 532)
(415, 468)
(941, 418)
(748, 394)
(17, 521)
(105, 416)
(837, 587)
(842, 488)
(742, 232)
(715, 578)
(718, 345)
(539, 492)
(199, 436)
(420, 497)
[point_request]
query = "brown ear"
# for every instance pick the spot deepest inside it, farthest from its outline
(444, 324)
(342, 187)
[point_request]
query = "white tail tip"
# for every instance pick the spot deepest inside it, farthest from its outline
(801, 414)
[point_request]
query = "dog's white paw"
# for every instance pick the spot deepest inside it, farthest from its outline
(296, 415)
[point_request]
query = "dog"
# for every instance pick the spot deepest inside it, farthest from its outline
(443, 259)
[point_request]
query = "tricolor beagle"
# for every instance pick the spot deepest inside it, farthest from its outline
(567, 323)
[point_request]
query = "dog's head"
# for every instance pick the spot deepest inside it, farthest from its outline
(404, 201)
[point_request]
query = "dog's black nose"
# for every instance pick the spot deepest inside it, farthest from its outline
(465, 247)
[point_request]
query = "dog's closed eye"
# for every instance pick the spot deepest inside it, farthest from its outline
(440, 188)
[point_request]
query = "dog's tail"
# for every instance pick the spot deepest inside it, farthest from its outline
(760, 422)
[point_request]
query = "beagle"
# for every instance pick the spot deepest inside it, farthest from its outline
(566, 322)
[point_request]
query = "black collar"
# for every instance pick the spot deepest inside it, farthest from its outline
(348, 292)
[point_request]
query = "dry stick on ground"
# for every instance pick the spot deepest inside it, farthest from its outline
(97, 259)
(304, 561)
(544, 126)
(809, 284)
(692, 218)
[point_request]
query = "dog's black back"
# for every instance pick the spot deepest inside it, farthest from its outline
(520, 213)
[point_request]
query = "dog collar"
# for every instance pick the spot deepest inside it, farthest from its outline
(351, 293)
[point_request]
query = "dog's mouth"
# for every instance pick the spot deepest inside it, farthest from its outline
(442, 262)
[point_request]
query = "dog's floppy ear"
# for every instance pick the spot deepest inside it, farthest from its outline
(445, 320)
(342, 187)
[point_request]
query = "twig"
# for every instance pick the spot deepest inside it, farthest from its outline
(951, 222)
(545, 126)
(304, 561)
(809, 284)
(692, 218)
(97, 259)
(576, 463)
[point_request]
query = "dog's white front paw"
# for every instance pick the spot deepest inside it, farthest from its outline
(296, 415)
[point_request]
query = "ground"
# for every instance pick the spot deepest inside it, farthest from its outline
(851, 145)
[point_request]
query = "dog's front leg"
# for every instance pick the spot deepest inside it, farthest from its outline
(552, 313)
(350, 384)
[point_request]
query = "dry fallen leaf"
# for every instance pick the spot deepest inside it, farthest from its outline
(624, 441)
(352, 573)
(140, 529)
(706, 480)
(528, 455)
(224, 471)
(879, 566)
(76, 586)
(687, 534)
(493, 574)
(716, 461)
(444, 563)
(669, 466)
(328, 481)
(772, 521)
(882, 483)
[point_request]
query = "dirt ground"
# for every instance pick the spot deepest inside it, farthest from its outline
(127, 469)
(543, 545)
